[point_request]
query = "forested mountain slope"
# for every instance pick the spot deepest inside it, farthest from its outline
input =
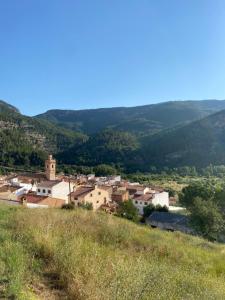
(140, 120)
(198, 144)
(25, 140)
(132, 139)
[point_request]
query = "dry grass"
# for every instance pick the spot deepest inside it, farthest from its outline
(96, 256)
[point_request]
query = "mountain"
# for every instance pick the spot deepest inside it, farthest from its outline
(197, 144)
(140, 120)
(106, 147)
(25, 140)
(171, 134)
(7, 108)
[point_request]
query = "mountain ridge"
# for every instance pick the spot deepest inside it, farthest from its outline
(170, 134)
(139, 120)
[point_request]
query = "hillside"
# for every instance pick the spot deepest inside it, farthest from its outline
(105, 147)
(25, 140)
(176, 139)
(140, 120)
(199, 144)
(55, 254)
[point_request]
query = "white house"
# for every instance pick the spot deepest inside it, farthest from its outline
(158, 198)
(55, 189)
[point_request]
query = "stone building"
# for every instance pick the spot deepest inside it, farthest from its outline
(50, 168)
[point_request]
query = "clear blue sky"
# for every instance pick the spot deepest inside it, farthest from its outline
(102, 53)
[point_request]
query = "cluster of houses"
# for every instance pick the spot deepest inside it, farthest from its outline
(51, 190)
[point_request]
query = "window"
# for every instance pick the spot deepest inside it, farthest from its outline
(43, 191)
(91, 195)
(140, 202)
(75, 198)
(39, 190)
(99, 193)
(136, 202)
(97, 201)
(49, 191)
(52, 166)
(146, 203)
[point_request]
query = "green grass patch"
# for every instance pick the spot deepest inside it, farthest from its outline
(96, 256)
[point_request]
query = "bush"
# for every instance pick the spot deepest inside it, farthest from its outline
(68, 206)
(149, 209)
(88, 206)
(128, 210)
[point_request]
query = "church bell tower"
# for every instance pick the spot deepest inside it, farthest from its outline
(50, 168)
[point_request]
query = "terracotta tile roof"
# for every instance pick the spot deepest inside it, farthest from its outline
(42, 200)
(8, 188)
(48, 183)
(81, 191)
(136, 187)
(145, 197)
(119, 192)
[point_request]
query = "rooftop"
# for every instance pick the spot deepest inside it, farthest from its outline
(145, 197)
(81, 191)
(49, 183)
(44, 200)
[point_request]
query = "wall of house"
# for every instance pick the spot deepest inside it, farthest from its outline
(140, 204)
(143, 191)
(161, 199)
(61, 191)
(44, 191)
(97, 197)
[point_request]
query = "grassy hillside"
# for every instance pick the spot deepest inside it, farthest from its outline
(139, 120)
(55, 254)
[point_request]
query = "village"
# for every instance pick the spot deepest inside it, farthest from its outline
(49, 190)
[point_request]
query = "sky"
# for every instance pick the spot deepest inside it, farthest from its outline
(78, 54)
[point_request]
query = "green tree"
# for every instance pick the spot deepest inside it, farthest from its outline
(189, 193)
(160, 208)
(148, 210)
(206, 219)
(128, 210)
(104, 170)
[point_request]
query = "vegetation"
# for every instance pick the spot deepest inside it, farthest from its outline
(140, 120)
(149, 209)
(25, 141)
(54, 254)
(128, 211)
(206, 204)
(156, 138)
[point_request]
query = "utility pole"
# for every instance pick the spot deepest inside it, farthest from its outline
(70, 189)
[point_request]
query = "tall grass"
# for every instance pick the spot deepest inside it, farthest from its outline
(14, 261)
(97, 256)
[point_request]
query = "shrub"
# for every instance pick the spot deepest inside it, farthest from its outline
(68, 206)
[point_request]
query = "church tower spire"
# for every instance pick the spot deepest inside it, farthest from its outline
(50, 168)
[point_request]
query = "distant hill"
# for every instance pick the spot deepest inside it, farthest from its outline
(140, 120)
(197, 144)
(7, 108)
(170, 134)
(25, 140)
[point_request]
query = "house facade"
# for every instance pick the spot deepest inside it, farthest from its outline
(54, 189)
(158, 198)
(87, 194)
